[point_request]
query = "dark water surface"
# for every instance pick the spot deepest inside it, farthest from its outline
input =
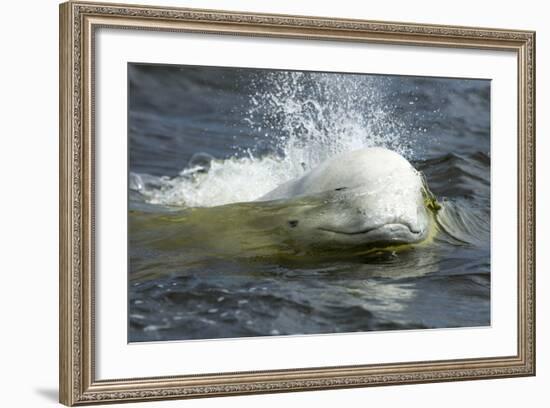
(205, 262)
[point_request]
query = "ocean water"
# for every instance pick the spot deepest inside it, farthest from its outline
(205, 261)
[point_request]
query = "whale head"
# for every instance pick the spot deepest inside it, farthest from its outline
(376, 198)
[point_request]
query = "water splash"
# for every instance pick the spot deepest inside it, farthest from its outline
(303, 118)
(310, 117)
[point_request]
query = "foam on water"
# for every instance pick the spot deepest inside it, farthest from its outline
(303, 119)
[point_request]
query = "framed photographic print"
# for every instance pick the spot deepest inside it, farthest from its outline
(261, 203)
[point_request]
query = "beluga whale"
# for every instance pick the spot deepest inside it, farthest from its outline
(367, 197)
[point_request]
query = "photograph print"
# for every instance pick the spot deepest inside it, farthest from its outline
(274, 202)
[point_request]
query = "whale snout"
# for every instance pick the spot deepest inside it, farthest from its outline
(396, 233)
(391, 233)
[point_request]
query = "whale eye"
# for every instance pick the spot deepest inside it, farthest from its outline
(293, 223)
(340, 188)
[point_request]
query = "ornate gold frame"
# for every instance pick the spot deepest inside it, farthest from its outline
(78, 22)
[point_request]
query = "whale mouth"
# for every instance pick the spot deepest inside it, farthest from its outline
(389, 229)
